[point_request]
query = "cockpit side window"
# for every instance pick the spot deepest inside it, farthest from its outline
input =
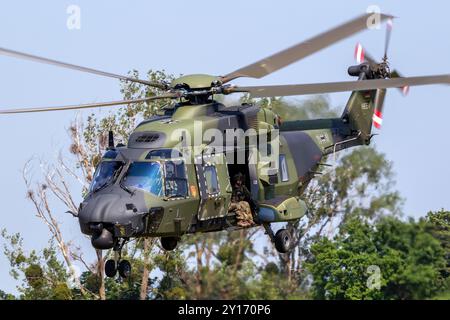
(105, 174)
(176, 179)
(110, 154)
(146, 176)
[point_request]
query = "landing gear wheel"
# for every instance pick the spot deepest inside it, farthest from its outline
(282, 241)
(124, 268)
(117, 264)
(110, 268)
(169, 243)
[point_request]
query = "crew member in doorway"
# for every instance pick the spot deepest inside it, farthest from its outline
(242, 202)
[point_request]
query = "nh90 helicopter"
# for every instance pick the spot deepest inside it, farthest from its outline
(152, 187)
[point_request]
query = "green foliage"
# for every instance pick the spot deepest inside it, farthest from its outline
(439, 223)
(408, 256)
(6, 296)
(317, 107)
(43, 274)
(61, 292)
(439, 226)
(124, 120)
(360, 185)
(272, 284)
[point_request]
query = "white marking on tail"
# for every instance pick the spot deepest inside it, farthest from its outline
(359, 53)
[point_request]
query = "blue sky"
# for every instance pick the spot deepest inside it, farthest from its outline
(215, 38)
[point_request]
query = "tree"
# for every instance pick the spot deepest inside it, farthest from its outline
(389, 259)
(43, 275)
(439, 226)
(6, 296)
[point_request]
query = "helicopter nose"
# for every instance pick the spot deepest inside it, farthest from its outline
(101, 208)
(97, 217)
(111, 215)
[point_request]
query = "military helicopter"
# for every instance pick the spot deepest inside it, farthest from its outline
(165, 184)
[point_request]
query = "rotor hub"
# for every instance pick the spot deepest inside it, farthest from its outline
(195, 82)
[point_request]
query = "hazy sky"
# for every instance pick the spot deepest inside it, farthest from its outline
(216, 38)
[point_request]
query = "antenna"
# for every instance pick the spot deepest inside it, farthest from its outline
(110, 140)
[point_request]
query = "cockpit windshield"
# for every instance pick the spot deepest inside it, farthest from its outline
(146, 176)
(105, 174)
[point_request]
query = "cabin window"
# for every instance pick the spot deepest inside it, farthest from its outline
(284, 175)
(212, 184)
(176, 180)
(164, 154)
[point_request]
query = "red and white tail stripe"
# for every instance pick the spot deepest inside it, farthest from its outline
(377, 119)
(390, 24)
(359, 53)
(405, 90)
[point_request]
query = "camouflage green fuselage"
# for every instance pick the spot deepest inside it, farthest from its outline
(301, 146)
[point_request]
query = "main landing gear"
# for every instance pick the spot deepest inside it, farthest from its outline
(282, 239)
(112, 266)
(116, 264)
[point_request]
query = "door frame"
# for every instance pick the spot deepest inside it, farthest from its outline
(218, 201)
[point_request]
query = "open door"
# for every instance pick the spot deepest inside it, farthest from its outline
(214, 186)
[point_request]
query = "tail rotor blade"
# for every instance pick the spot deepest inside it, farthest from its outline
(405, 90)
(377, 117)
(361, 55)
(389, 25)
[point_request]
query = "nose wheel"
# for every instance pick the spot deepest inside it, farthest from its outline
(117, 264)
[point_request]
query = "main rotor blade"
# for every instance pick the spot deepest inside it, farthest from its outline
(319, 88)
(88, 105)
(284, 58)
(26, 56)
(396, 74)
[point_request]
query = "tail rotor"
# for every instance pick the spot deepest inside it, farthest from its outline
(381, 70)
